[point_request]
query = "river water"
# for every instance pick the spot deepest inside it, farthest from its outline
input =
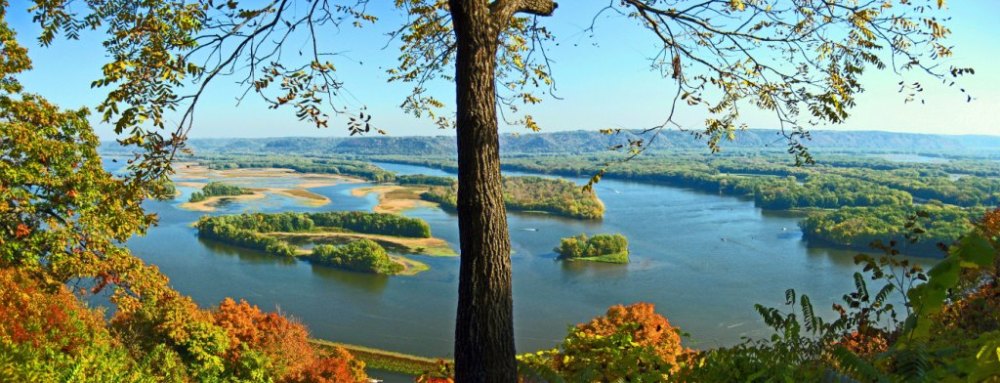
(703, 259)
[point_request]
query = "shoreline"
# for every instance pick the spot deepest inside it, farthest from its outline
(191, 174)
(395, 199)
(433, 247)
(385, 360)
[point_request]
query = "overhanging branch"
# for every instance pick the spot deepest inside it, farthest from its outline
(503, 10)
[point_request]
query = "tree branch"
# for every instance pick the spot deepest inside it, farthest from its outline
(503, 10)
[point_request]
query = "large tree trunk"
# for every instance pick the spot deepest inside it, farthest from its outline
(484, 332)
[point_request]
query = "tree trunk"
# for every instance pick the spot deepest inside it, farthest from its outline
(484, 332)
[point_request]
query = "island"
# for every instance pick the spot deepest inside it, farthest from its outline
(527, 194)
(218, 189)
(606, 248)
(858, 228)
(362, 255)
(353, 240)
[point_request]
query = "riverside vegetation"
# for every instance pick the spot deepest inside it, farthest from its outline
(525, 194)
(264, 232)
(849, 198)
(218, 189)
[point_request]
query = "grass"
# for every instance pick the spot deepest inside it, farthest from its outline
(384, 360)
(619, 258)
(434, 247)
(410, 267)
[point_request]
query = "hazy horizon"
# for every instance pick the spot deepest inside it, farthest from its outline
(450, 134)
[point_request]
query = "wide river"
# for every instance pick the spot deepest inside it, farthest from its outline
(703, 259)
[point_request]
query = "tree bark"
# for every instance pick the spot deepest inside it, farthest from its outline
(484, 332)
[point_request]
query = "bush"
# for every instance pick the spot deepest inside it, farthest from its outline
(629, 343)
(361, 255)
(601, 247)
(215, 189)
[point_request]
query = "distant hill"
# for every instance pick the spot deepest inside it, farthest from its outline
(575, 142)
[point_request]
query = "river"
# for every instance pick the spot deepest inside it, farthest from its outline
(703, 259)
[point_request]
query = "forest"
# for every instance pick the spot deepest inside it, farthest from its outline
(218, 189)
(917, 230)
(608, 248)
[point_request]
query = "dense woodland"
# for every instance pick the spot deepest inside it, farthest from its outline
(929, 225)
(218, 189)
(609, 248)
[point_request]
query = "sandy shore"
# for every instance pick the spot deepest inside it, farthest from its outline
(394, 198)
(209, 204)
(410, 267)
(191, 170)
(190, 174)
(436, 247)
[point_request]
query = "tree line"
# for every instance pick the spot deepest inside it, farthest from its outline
(916, 230)
(360, 169)
(857, 180)
(356, 221)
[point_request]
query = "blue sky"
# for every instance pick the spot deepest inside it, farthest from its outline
(604, 81)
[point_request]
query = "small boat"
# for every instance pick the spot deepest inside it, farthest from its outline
(530, 229)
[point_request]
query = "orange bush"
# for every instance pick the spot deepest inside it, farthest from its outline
(338, 367)
(45, 316)
(284, 342)
(868, 343)
(652, 330)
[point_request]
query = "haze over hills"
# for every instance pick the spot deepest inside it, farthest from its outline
(576, 142)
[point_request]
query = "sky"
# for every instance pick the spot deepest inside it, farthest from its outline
(603, 81)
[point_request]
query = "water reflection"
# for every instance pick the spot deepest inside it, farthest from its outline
(245, 255)
(368, 283)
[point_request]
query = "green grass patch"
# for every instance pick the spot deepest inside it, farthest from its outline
(619, 258)
(384, 360)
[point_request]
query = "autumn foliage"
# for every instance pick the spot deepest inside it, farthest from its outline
(284, 343)
(644, 325)
(43, 316)
(63, 219)
(630, 343)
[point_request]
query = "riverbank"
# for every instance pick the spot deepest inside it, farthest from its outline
(197, 176)
(395, 199)
(391, 361)
(210, 203)
(435, 247)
